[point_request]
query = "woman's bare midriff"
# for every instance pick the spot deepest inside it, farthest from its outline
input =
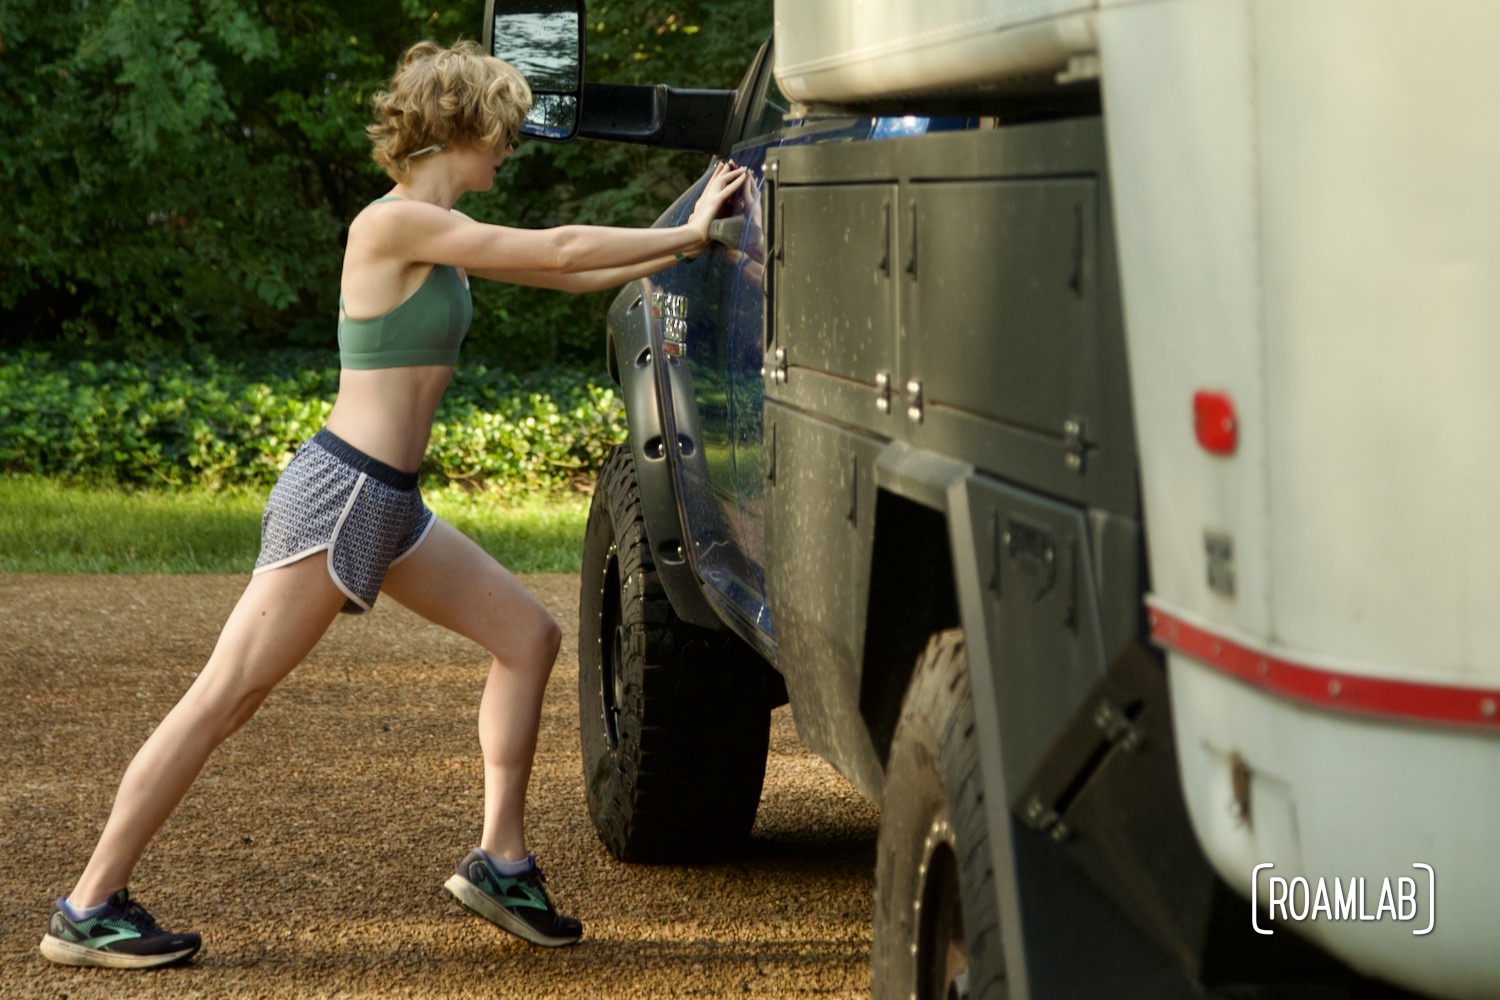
(387, 412)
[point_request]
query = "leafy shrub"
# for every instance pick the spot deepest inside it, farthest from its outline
(208, 422)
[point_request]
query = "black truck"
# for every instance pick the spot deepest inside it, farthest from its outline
(883, 465)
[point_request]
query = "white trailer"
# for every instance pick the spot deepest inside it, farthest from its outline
(1305, 206)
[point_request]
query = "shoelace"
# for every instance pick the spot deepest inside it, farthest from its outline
(136, 916)
(538, 881)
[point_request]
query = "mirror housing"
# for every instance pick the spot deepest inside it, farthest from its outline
(694, 120)
(538, 38)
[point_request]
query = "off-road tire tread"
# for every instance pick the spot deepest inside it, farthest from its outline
(686, 781)
(936, 747)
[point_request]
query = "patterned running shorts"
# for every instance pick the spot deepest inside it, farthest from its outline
(365, 514)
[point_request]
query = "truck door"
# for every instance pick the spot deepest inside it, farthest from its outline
(765, 119)
(710, 311)
(713, 330)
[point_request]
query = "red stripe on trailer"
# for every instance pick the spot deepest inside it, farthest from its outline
(1326, 689)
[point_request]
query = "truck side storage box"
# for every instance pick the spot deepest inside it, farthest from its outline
(957, 292)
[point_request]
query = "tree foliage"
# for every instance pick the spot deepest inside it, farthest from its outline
(183, 171)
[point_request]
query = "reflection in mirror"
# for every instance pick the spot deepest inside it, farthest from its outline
(540, 38)
(552, 116)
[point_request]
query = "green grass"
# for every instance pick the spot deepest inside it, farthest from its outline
(49, 528)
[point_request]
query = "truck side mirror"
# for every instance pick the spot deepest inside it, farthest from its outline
(544, 40)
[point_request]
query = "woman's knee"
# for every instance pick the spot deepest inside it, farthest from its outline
(546, 638)
(243, 709)
(551, 638)
(222, 709)
(530, 640)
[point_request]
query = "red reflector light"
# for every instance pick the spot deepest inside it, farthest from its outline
(1215, 423)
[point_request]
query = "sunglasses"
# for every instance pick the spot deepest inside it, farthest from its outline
(512, 143)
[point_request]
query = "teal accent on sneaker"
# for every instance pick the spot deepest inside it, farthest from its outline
(510, 890)
(97, 933)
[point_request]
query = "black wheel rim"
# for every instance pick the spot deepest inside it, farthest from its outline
(612, 651)
(942, 949)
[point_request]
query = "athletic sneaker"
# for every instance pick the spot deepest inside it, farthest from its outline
(514, 903)
(122, 935)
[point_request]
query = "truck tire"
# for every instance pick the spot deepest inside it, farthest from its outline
(674, 719)
(937, 924)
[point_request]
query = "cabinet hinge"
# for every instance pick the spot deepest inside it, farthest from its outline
(1074, 444)
(776, 371)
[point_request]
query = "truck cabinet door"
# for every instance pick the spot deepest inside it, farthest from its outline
(836, 307)
(1003, 298)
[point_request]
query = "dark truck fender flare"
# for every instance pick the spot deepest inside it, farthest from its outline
(1061, 674)
(944, 485)
(632, 358)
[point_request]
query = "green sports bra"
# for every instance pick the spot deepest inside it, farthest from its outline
(425, 329)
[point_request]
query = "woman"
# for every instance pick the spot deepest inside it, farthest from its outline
(346, 522)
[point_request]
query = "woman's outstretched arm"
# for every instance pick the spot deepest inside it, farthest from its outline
(419, 232)
(583, 281)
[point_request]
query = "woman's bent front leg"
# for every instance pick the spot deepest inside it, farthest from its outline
(276, 623)
(451, 581)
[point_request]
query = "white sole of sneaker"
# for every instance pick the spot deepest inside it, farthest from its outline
(476, 901)
(61, 952)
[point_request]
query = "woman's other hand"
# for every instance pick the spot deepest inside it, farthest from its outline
(722, 184)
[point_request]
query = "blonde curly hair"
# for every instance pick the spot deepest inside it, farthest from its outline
(458, 96)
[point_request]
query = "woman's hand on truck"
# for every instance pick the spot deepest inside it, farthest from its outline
(722, 184)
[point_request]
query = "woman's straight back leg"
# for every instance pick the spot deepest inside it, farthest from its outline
(274, 625)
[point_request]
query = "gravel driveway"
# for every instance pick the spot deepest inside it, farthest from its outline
(312, 851)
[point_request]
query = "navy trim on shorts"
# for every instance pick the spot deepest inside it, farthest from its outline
(356, 459)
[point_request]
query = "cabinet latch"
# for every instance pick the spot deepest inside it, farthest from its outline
(883, 392)
(914, 401)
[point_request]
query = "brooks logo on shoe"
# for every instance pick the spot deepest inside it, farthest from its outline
(96, 933)
(521, 894)
(512, 891)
